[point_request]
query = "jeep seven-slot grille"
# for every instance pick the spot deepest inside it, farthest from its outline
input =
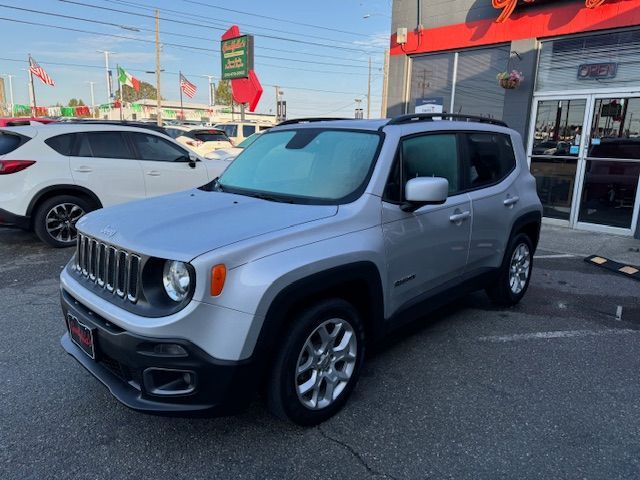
(115, 270)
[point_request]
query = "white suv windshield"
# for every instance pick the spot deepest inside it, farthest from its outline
(308, 165)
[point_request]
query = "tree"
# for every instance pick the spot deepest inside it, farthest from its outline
(223, 93)
(147, 91)
(74, 102)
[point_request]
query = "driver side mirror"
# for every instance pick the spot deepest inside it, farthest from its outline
(192, 160)
(421, 191)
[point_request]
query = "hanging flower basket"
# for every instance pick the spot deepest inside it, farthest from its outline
(510, 80)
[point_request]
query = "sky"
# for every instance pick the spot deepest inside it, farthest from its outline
(316, 51)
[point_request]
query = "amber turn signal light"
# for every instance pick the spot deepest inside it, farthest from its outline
(218, 276)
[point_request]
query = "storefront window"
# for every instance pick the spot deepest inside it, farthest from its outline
(477, 91)
(615, 132)
(590, 62)
(431, 81)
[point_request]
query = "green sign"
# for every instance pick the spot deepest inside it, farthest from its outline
(237, 57)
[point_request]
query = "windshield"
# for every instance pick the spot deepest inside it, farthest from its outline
(311, 165)
(248, 141)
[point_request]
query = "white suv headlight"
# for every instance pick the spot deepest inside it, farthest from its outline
(176, 280)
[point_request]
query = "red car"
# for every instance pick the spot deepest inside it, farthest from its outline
(17, 121)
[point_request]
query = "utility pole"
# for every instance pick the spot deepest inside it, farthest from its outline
(10, 77)
(385, 84)
(32, 90)
(107, 73)
(277, 104)
(369, 92)
(158, 97)
(93, 100)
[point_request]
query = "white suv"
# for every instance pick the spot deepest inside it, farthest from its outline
(51, 175)
(238, 131)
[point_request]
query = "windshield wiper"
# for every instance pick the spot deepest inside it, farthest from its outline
(217, 186)
(270, 198)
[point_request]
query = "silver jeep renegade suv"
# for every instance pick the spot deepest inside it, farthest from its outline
(317, 240)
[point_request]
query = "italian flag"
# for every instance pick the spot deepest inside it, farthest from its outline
(127, 79)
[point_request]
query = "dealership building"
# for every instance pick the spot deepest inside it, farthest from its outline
(574, 96)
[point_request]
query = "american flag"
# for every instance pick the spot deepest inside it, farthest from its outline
(39, 72)
(187, 87)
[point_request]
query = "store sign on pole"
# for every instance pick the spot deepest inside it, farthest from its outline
(429, 105)
(237, 57)
(597, 71)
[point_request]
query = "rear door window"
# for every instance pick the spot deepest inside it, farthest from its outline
(490, 158)
(9, 142)
(248, 130)
(102, 145)
(61, 143)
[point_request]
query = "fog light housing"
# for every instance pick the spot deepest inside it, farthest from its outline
(169, 350)
(168, 382)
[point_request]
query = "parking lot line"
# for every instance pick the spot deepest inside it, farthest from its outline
(555, 255)
(557, 334)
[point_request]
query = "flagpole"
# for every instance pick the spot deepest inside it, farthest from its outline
(120, 85)
(34, 107)
(181, 108)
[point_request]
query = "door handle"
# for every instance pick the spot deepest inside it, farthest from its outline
(459, 217)
(153, 173)
(511, 201)
(83, 169)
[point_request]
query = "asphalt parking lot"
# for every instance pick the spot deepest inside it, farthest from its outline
(548, 389)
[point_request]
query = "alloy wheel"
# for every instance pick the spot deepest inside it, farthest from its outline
(326, 363)
(519, 268)
(60, 221)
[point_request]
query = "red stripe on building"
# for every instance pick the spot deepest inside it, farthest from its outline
(555, 21)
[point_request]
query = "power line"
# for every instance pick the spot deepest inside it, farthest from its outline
(225, 24)
(111, 24)
(273, 37)
(184, 73)
(274, 18)
(177, 45)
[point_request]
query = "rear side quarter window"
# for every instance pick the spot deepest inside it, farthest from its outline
(10, 141)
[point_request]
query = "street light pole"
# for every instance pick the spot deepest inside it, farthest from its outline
(158, 97)
(106, 69)
(210, 83)
(369, 92)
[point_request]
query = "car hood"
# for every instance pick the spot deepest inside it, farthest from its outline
(184, 225)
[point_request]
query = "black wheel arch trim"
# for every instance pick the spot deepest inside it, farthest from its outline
(529, 218)
(314, 287)
(61, 189)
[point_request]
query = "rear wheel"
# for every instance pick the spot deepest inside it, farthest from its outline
(318, 364)
(515, 272)
(55, 219)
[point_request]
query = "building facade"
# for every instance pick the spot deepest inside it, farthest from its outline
(574, 95)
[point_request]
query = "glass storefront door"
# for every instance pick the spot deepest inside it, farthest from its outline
(555, 151)
(585, 155)
(609, 193)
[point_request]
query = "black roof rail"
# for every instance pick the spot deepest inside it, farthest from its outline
(429, 117)
(310, 120)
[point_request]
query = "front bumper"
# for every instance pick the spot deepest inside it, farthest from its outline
(8, 219)
(124, 362)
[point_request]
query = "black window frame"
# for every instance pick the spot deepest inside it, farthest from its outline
(72, 144)
(466, 158)
(398, 160)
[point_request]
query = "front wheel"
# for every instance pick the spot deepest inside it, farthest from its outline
(318, 364)
(55, 220)
(515, 272)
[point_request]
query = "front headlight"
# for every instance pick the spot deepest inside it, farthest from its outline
(176, 280)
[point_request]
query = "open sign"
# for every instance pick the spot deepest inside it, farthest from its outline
(597, 71)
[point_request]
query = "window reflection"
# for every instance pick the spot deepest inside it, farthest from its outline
(616, 128)
(609, 193)
(559, 128)
(555, 178)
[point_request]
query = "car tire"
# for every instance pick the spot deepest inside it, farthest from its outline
(55, 219)
(515, 272)
(318, 364)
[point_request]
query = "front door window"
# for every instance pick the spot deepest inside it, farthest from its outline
(554, 156)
